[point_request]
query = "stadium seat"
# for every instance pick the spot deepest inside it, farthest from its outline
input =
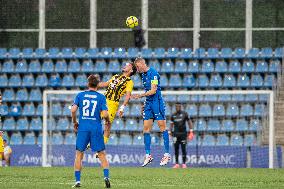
(213, 125)
(27, 53)
(3, 80)
(56, 109)
(21, 66)
(216, 81)
(155, 140)
(234, 66)
(4, 110)
(29, 109)
(66, 110)
(54, 80)
(146, 53)
(199, 53)
(274, 66)
(15, 80)
(239, 53)
(16, 139)
(113, 139)
(80, 52)
(132, 52)
(106, 77)
(243, 81)
(39, 110)
(246, 110)
(8, 66)
(159, 52)
(251, 98)
(131, 125)
(250, 140)
(208, 140)
(253, 53)
(197, 98)
(118, 125)
(125, 139)
(266, 52)
(14, 53)
(207, 66)
(81, 80)
(218, 110)
(34, 66)
(224, 98)
(138, 140)
(232, 110)
(164, 81)
(185, 53)
(135, 110)
(205, 110)
(236, 140)
(256, 81)
(180, 66)
(191, 110)
(29, 139)
(9, 124)
(137, 80)
(40, 53)
(35, 95)
(70, 139)
(260, 110)
(106, 52)
(62, 124)
(114, 66)
(172, 52)
(22, 124)
(154, 63)
(100, 66)
(39, 139)
(226, 53)
(199, 125)
(279, 52)
(227, 125)
(269, 81)
(175, 81)
(36, 124)
(51, 124)
(212, 53)
(47, 66)
(222, 140)
(167, 66)
(170, 98)
(261, 66)
(195, 141)
(8, 95)
(241, 125)
(221, 66)
(22, 95)
(60, 66)
(67, 52)
(93, 53)
(168, 109)
(119, 53)
(53, 53)
(254, 125)
(248, 66)
(238, 97)
(193, 66)
(74, 66)
(188, 81)
(183, 98)
(68, 81)
(210, 98)
(15, 110)
(87, 66)
(202, 81)
(57, 139)
(263, 97)
(28, 81)
(3, 53)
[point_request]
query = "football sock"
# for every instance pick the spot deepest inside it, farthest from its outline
(147, 143)
(78, 176)
(106, 173)
(166, 141)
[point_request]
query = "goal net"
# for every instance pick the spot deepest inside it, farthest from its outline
(232, 128)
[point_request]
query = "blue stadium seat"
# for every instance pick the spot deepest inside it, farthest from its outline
(40, 53)
(256, 81)
(222, 140)
(241, 125)
(226, 53)
(155, 140)
(239, 53)
(29, 109)
(3, 53)
(208, 140)
(67, 52)
(39, 139)
(261, 66)
(22, 124)
(39, 110)
(36, 124)
(164, 81)
(170, 98)
(81, 80)
(207, 66)
(238, 97)
(16, 139)
(205, 110)
(167, 66)
(216, 81)
(218, 110)
(47, 66)
(57, 139)
(21, 66)
(266, 52)
(236, 140)
(14, 53)
(131, 124)
(15, 110)
(29, 139)
(62, 124)
(100, 66)
(135, 110)
(191, 110)
(113, 139)
(8, 95)
(193, 66)
(253, 53)
(28, 81)
(119, 53)
(263, 97)
(66, 110)
(70, 139)
(137, 80)
(106, 77)
(154, 63)
(196, 98)
(68, 81)
(212, 53)
(189, 81)
(159, 52)
(34, 66)
(243, 81)
(185, 53)
(22, 95)
(260, 110)
(9, 124)
(27, 53)
(180, 66)
(202, 81)
(80, 52)
(195, 141)
(74, 66)
(221, 66)
(56, 109)
(246, 110)
(3, 80)
(234, 66)
(87, 66)
(228, 125)
(93, 53)
(8, 66)
(279, 52)
(199, 53)
(210, 98)
(138, 140)
(175, 81)
(224, 98)
(269, 80)
(117, 125)
(53, 53)
(51, 124)
(172, 52)
(248, 66)
(274, 66)
(183, 98)
(54, 80)
(232, 110)
(251, 98)
(146, 53)
(41, 81)
(254, 125)
(60, 66)
(132, 52)
(114, 66)
(106, 52)
(125, 139)
(250, 140)
(15, 81)
(35, 95)
(168, 111)
(4, 110)
(213, 125)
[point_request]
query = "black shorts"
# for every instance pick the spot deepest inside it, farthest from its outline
(179, 139)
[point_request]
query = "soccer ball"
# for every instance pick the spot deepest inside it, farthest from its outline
(131, 22)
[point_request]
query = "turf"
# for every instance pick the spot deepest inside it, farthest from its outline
(56, 177)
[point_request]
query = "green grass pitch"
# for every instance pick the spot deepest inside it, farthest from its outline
(57, 177)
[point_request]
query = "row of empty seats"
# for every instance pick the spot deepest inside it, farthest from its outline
(145, 52)
(166, 66)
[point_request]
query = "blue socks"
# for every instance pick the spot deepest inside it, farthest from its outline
(166, 141)
(78, 176)
(106, 173)
(147, 143)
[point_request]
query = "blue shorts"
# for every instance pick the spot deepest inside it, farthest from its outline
(95, 139)
(154, 110)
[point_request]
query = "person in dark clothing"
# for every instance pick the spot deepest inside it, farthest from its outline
(139, 37)
(179, 133)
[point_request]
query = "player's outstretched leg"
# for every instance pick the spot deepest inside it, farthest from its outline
(147, 141)
(77, 169)
(166, 158)
(105, 166)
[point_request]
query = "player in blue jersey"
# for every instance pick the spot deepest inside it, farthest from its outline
(154, 109)
(91, 105)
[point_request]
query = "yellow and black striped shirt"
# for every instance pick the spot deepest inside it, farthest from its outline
(117, 87)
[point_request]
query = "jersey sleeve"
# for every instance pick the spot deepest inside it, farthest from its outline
(155, 78)
(103, 104)
(129, 86)
(76, 100)
(186, 116)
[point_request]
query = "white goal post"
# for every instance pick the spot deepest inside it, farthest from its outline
(270, 93)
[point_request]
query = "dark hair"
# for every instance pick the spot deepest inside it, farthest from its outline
(134, 69)
(5, 140)
(93, 80)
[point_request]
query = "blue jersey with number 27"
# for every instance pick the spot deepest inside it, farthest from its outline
(90, 104)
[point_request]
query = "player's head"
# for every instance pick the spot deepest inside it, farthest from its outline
(129, 68)
(93, 81)
(140, 64)
(178, 107)
(5, 142)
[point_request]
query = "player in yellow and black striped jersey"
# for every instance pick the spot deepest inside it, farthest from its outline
(1, 148)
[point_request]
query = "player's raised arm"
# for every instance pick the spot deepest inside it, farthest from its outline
(152, 91)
